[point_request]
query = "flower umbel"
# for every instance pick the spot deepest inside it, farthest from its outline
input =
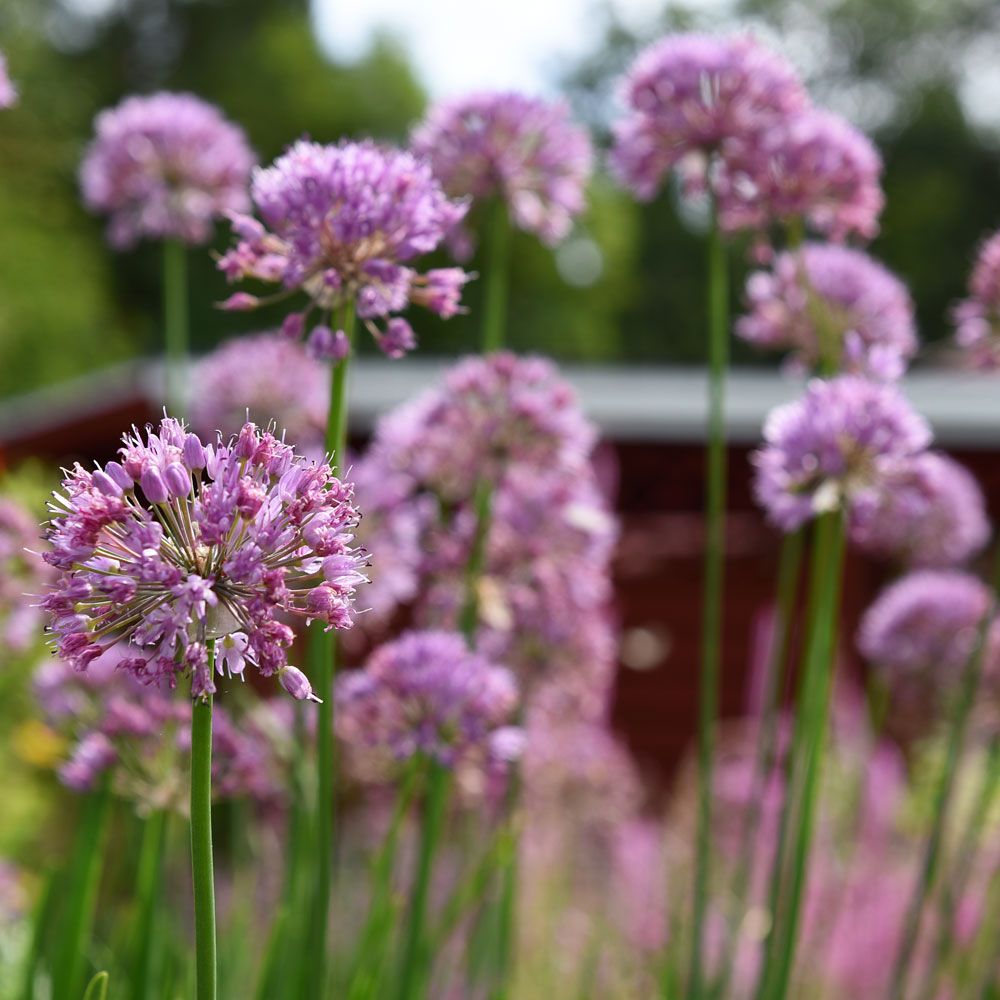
(833, 304)
(165, 166)
(180, 543)
(977, 318)
(8, 92)
(521, 149)
(343, 224)
(828, 449)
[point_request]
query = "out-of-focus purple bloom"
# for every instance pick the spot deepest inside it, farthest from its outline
(520, 149)
(259, 533)
(22, 573)
(8, 92)
(543, 593)
(345, 224)
(832, 303)
(977, 318)
(813, 167)
(425, 693)
(273, 378)
(112, 721)
(929, 511)
(692, 96)
(833, 446)
(922, 630)
(165, 166)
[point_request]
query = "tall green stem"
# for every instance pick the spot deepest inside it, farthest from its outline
(813, 711)
(497, 277)
(714, 567)
(202, 868)
(942, 802)
(85, 878)
(324, 650)
(789, 566)
(148, 881)
(175, 323)
(413, 968)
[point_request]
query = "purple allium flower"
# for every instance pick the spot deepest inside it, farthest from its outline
(112, 721)
(8, 92)
(542, 598)
(922, 629)
(165, 166)
(929, 511)
(22, 572)
(828, 449)
(425, 693)
(977, 318)
(343, 224)
(520, 149)
(180, 543)
(834, 303)
(690, 96)
(812, 167)
(269, 375)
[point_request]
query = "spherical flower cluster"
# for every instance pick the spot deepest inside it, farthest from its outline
(180, 543)
(828, 449)
(274, 376)
(22, 572)
(427, 693)
(928, 512)
(520, 149)
(509, 427)
(8, 92)
(922, 629)
(343, 224)
(832, 304)
(690, 96)
(812, 167)
(110, 721)
(977, 318)
(165, 166)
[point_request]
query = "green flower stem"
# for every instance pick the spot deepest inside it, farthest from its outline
(201, 842)
(714, 568)
(84, 881)
(413, 972)
(817, 685)
(497, 277)
(41, 921)
(967, 856)
(175, 323)
(378, 927)
(789, 568)
(149, 879)
(324, 649)
(942, 803)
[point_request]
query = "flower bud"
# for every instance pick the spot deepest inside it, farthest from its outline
(106, 484)
(194, 453)
(153, 485)
(117, 472)
(177, 479)
(297, 684)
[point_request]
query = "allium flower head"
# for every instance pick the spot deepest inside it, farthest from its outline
(689, 96)
(165, 166)
(8, 92)
(929, 511)
(521, 149)
(924, 626)
(180, 543)
(271, 376)
(977, 318)
(427, 693)
(813, 167)
(22, 572)
(343, 224)
(542, 598)
(828, 449)
(834, 303)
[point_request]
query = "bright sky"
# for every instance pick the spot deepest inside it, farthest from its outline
(462, 45)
